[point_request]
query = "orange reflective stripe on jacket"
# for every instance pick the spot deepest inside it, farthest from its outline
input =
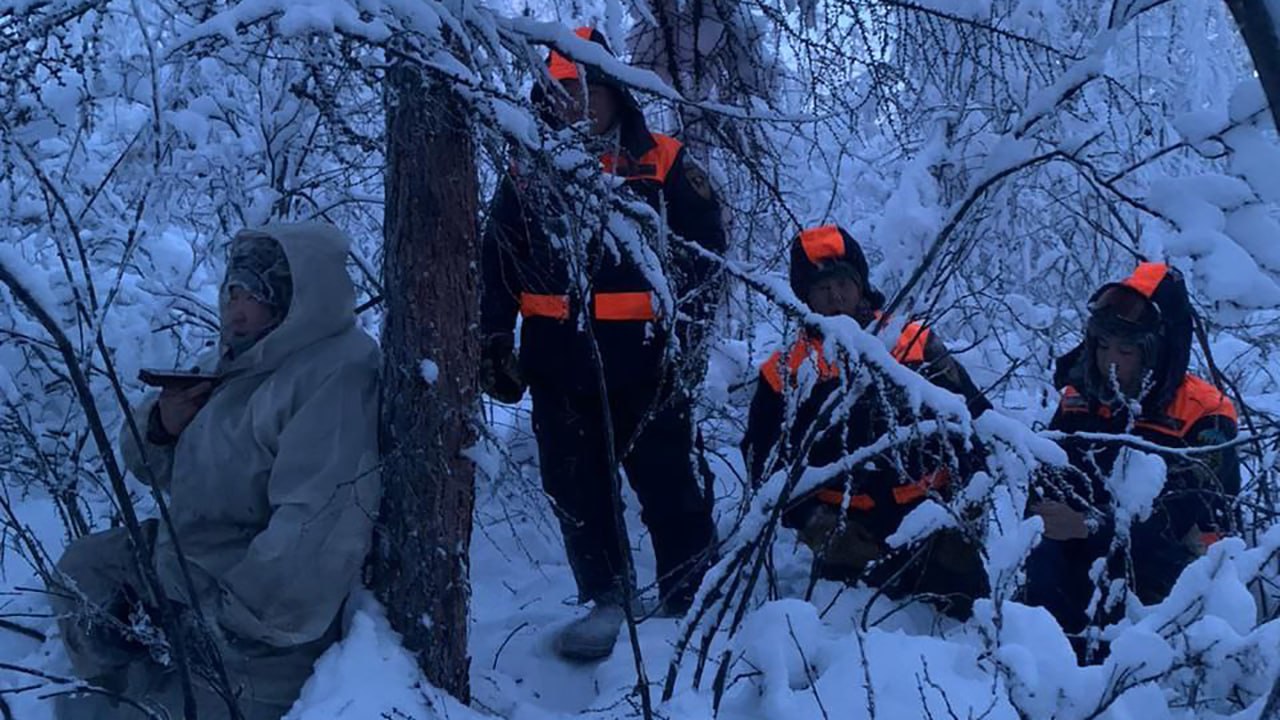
(902, 494)
(1198, 399)
(910, 346)
(837, 497)
(911, 492)
(655, 164)
(908, 350)
(555, 307)
(608, 306)
(1194, 401)
(624, 306)
(774, 368)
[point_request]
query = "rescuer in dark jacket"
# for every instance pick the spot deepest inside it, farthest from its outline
(599, 353)
(1129, 377)
(848, 521)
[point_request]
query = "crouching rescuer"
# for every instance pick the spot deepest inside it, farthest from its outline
(1130, 379)
(813, 408)
(604, 372)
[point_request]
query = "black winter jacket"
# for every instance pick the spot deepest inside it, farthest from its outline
(523, 255)
(872, 414)
(1179, 411)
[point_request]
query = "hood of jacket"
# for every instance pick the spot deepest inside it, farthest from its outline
(819, 251)
(323, 301)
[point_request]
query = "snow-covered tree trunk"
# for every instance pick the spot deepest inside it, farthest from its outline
(429, 383)
(1259, 22)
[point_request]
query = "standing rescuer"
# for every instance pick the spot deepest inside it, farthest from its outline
(1129, 377)
(527, 270)
(847, 522)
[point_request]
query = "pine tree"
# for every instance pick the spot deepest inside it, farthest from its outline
(429, 396)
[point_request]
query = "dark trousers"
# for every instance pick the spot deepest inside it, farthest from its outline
(663, 468)
(1058, 580)
(945, 568)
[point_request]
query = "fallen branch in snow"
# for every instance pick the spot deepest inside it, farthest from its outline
(503, 646)
(921, 682)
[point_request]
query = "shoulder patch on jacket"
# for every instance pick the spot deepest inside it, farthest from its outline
(697, 176)
(1209, 438)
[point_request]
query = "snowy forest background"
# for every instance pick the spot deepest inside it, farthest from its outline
(999, 159)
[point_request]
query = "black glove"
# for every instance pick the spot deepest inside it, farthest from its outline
(499, 370)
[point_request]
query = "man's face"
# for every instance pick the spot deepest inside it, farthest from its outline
(599, 104)
(836, 295)
(244, 316)
(1123, 357)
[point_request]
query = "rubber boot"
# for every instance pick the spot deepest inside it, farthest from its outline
(592, 637)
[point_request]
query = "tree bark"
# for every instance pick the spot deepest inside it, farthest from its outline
(1259, 23)
(429, 260)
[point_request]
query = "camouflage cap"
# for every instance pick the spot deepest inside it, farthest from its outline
(257, 263)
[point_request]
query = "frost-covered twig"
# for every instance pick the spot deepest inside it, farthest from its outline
(954, 220)
(138, 545)
(980, 26)
(78, 687)
(808, 671)
(867, 685)
(921, 682)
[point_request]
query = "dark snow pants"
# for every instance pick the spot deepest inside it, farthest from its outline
(102, 573)
(1058, 579)
(668, 476)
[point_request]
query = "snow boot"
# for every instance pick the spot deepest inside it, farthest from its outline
(592, 637)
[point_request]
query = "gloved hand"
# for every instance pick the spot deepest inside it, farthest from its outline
(499, 370)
